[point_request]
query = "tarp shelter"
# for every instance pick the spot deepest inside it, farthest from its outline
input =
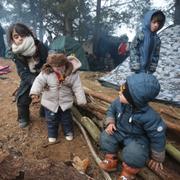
(67, 45)
(168, 70)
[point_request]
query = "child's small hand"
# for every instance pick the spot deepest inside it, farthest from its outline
(35, 99)
(155, 165)
(110, 128)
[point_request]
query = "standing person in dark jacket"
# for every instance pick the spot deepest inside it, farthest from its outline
(133, 123)
(29, 54)
(145, 48)
(2, 44)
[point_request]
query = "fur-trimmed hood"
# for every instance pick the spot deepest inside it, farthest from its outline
(71, 63)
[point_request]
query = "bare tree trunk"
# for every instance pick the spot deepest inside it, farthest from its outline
(68, 26)
(97, 26)
(177, 13)
(34, 18)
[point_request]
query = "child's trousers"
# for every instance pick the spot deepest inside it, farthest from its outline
(54, 119)
(135, 152)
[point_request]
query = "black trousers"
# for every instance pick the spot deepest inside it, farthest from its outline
(23, 104)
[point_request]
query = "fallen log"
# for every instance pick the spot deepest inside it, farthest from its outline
(97, 107)
(173, 126)
(88, 124)
(98, 95)
(170, 113)
(96, 158)
(98, 114)
(172, 151)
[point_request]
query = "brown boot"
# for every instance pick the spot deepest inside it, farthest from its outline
(128, 173)
(110, 163)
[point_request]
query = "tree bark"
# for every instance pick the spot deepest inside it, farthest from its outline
(177, 13)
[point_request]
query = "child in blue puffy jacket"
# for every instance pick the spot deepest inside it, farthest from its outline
(133, 123)
(145, 48)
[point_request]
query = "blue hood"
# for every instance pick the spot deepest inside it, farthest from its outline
(143, 88)
(147, 20)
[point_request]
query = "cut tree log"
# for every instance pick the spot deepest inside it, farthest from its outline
(98, 95)
(92, 129)
(97, 107)
(171, 150)
(173, 126)
(170, 113)
(98, 114)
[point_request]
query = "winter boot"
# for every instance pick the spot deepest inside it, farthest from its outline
(110, 163)
(128, 173)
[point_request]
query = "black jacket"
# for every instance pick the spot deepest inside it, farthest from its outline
(26, 76)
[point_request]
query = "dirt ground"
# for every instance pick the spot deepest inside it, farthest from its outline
(30, 141)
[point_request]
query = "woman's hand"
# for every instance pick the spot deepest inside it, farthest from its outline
(110, 128)
(155, 165)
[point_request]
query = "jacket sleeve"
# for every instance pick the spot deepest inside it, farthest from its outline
(111, 113)
(38, 84)
(135, 52)
(78, 89)
(155, 129)
(24, 73)
(155, 57)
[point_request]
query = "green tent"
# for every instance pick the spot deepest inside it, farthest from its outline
(67, 45)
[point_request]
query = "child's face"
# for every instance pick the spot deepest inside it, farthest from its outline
(59, 69)
(17, 39)
(154, 25)
(122, 98)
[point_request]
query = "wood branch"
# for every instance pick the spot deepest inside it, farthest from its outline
(100, 124)
(91, 128)
(170, 113)
(172, 125)
(100, 96)
(97, 107)
(96, 158)
(99, 115)
(172, 151)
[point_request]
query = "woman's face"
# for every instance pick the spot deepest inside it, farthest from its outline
(17, 39)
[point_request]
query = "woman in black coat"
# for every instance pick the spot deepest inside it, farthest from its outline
(29, 54)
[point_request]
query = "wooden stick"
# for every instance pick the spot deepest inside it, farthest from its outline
(171, 150)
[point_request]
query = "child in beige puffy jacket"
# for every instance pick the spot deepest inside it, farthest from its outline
(58, 82)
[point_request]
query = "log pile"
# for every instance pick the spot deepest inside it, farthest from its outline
(93, 124)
